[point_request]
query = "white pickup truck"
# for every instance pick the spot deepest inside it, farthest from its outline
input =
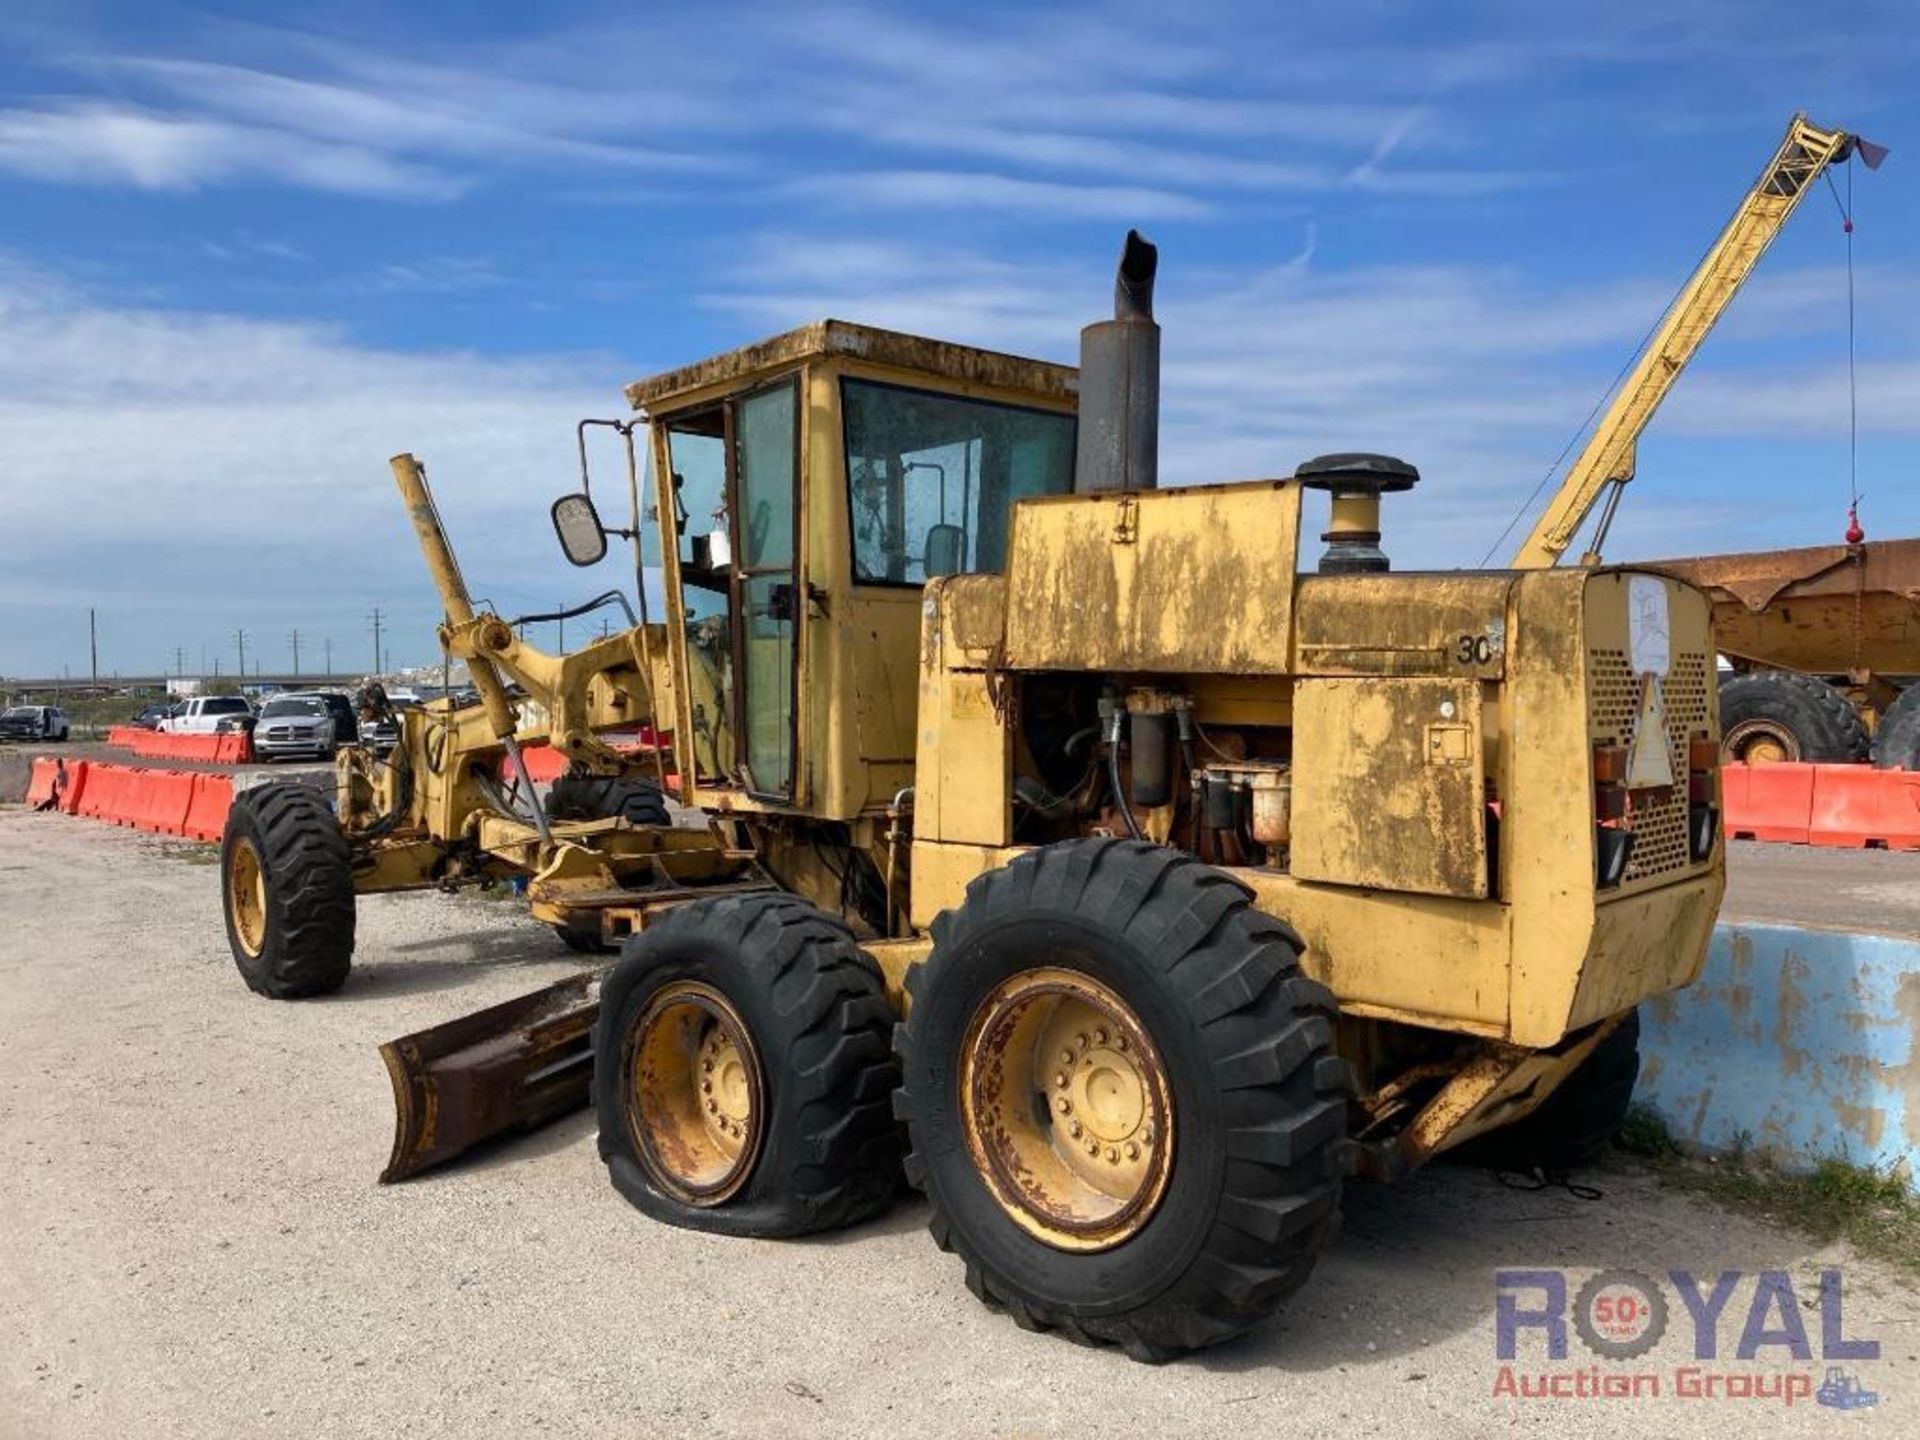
(208, 715)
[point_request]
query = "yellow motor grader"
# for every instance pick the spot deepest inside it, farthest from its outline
(1045, 834)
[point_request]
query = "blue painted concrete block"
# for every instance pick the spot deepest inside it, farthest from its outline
(1800, 1044)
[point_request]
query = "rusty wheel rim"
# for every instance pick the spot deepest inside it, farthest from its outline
(1762, 742)
(694, 1093)
(247, 896)
(1067, 1108)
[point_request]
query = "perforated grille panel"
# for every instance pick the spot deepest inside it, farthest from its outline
(1613, 699)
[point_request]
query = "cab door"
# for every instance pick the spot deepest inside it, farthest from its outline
(763, 446)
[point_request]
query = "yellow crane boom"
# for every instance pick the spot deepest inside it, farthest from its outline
(1607, 461)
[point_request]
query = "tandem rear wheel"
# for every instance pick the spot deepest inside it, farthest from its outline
(743, 1077)
(1123, 1100)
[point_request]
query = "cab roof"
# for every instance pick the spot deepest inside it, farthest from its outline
(938, 358)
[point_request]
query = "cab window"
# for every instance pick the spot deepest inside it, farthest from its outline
(931, 478)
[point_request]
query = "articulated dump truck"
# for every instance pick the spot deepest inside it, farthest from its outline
(1043, 836)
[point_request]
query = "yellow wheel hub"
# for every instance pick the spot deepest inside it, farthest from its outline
(1758, 742)
(1067, 1108)
(694, 1093)
(247, 896)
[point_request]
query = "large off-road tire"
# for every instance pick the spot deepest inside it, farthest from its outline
(742, 1072)
(1131, 987)
(1577, 1120)
(1769, 716)
(287, 891)
(1896, 744)
(601, 797)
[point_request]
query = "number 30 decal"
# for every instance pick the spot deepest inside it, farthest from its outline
(1474, 649)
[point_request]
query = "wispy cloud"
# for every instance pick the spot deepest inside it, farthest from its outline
(94, 143)
(971, 190)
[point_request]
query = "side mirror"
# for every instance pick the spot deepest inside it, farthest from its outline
(577, 523)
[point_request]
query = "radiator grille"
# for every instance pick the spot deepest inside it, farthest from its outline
(1613, 698)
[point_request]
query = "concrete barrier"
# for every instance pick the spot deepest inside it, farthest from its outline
(1796, 1044)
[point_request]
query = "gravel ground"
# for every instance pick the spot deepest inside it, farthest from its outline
(192, 1244)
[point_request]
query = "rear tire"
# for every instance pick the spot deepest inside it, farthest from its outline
(1896, 744)
(1578, 1119)
(1237, 1040)
(806, 1023)
(287, 892)
(1782, 715)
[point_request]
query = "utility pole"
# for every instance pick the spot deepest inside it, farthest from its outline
(376, 618)
(240, 640)
(561, 644)
(295, 637)
(328, 643)
(93, 649)
(180, 660)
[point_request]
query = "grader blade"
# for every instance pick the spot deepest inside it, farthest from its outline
(509, 1068)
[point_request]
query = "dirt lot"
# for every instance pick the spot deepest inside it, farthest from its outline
(191, 1242)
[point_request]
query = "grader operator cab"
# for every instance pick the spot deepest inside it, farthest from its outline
(1150, 887)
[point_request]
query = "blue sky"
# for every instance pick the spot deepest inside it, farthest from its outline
(247, 255)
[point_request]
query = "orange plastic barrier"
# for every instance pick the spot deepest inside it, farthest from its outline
(235, 748)
(77, 774)
(1840, 806)
(1855, 806)
(40, 786)
(206, 817)
(124, 736)
(1768, 802)
(104, 793)
(164, 802)
(158, 801)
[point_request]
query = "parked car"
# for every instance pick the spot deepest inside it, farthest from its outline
(150, 716)
(209, 715)
(307, 723)
(382, 734)
(33, 722)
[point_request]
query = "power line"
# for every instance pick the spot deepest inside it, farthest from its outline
(376, 617)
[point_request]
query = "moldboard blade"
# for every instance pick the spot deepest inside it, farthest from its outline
(509, 1068)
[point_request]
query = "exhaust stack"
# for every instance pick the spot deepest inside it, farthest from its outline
(1119, 442)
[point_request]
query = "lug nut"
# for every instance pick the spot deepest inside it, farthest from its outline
(1073, 1129)
(1100, 1036)
(1093, 1147)
(1066, 1057)
(706, 1087)
(1120, 1041)
(1113, 1155)
(1081, 1039)
(1063, 1105)
(1060, 1080)
(1133, 1150)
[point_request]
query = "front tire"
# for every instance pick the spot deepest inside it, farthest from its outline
(1196, 1053)
(287, 891)
(743, 1076)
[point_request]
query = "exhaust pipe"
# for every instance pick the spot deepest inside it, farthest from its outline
(1119, 437)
